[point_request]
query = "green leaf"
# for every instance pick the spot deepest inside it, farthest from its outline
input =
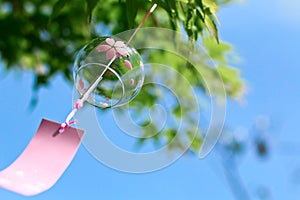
(91, 4)
(196, 144)
(131, 12)
(172, 6)
(200, 4)
(211, 26)
(173, 13)
(200, 14)
(177, 112)
(218, 52)
(189, 22)
(232, 80)
(211, 4)
(161, 4)
(58, 6)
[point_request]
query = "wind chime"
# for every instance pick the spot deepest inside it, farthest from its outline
(108, 72)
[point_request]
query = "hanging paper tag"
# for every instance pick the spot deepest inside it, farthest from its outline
(43, 161)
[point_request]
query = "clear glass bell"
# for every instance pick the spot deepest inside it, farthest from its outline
(121, 80)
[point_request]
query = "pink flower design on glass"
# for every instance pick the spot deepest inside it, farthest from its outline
(80, 85)
(131, 81)
(82, 89)
(128, 64)
(113, 48)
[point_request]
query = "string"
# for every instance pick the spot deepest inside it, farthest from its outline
(80, 102)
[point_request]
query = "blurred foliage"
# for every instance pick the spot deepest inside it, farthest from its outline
(183, 108)
(44, 36)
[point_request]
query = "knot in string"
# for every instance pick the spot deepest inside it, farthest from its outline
(65, 125)
(77, 106)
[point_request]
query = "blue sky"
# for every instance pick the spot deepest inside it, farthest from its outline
(265, 35)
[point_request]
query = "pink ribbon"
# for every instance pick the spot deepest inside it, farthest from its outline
(43, 161)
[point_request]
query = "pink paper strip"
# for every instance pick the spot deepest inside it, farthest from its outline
(43, 161)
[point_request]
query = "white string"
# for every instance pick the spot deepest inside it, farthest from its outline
(79, 103)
